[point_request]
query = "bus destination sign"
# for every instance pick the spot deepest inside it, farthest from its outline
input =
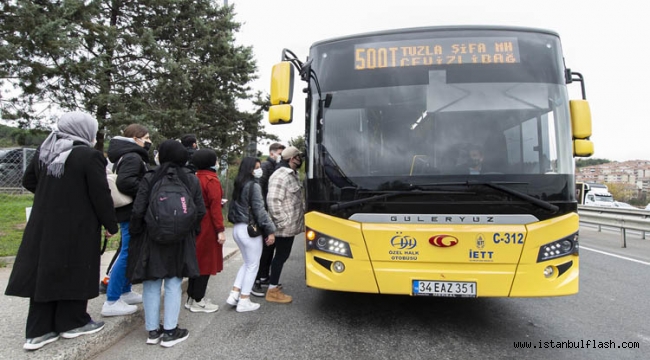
(427, 52)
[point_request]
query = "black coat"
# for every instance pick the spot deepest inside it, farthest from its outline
(268, 167)
(58, 258)
(149, 260)
(129, 172)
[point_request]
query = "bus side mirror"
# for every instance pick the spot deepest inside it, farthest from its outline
(580, 119)
(280, 114)
(581, 128)
(282, 83)
(583, 148)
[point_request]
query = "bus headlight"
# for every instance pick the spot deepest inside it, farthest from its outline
(559, 248)
(326, 243)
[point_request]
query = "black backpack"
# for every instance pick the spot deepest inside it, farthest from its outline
(171, 215)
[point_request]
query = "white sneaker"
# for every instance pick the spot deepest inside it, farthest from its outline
(189, 303)
(204, 306)
(118, 308)
(233, 298)
(131, 298)
(247, 305)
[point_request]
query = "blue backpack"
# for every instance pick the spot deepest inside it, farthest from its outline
(171, 215)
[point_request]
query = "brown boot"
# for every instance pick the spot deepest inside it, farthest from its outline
(276, 295)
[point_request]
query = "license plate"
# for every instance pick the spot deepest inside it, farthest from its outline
(444, 288)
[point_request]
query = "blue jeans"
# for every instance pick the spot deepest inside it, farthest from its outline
(151, 302)
(118, 283)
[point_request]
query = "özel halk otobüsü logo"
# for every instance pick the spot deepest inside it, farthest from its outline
(403, 246)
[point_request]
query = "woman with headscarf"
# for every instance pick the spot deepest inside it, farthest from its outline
(152, 262)
(59, 258)
(209, 242)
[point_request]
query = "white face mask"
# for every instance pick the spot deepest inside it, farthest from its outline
(257, 173)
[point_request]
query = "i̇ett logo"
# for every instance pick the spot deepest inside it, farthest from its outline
(443, 240)
(400, 241)
(480, 241)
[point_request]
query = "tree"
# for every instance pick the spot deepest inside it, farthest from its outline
(590, 162)
(170, 65)
(298, 143)
(621, 191)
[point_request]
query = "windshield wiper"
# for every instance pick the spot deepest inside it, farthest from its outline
(415, 191)
(498, 186)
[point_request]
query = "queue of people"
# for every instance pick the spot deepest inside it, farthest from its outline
(56, 266)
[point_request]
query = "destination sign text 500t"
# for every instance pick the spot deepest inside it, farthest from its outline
(426, 52)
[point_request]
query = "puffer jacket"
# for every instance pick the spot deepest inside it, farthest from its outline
(130, 170)
(238, 210)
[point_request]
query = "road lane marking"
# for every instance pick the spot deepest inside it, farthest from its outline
(616, 256)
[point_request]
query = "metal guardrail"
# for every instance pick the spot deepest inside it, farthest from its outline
(623, 219)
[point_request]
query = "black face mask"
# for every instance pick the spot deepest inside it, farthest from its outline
(147, 146)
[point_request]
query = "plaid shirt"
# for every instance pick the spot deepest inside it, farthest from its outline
(284, 202)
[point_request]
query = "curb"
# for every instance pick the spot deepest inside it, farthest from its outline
(120, 328)
(87, 347)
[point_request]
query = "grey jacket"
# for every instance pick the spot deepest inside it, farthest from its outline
(238, 210)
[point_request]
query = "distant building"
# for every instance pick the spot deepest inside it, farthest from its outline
(631, 172)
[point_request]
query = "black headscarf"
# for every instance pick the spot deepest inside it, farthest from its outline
(203, 159)
(171, 154)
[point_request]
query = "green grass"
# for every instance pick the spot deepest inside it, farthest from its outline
(12, 224)
(12, 221)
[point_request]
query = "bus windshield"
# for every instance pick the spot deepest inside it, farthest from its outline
(394, 113)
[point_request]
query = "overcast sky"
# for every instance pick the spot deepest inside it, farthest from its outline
(605, 41)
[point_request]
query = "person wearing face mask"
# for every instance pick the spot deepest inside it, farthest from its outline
(246, 202)
(268, 167)
(285, 203)
(209, 242)
(130, 155)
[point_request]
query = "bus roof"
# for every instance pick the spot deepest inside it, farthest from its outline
(438, 28)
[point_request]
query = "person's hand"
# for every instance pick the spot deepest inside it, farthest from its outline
(221, 237)
(270, 240)
(108, 234)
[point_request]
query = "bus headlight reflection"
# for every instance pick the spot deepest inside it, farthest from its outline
(328, 244)
(558, 248)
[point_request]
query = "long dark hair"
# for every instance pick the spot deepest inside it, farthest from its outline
(244, 175)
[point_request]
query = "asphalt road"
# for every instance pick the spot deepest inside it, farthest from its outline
(611, 310)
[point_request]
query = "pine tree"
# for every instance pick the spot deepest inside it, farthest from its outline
(170, 65)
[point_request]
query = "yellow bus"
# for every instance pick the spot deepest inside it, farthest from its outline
(439, 161)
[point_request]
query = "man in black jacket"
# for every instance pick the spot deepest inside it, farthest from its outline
(268, 167)
(190, 143)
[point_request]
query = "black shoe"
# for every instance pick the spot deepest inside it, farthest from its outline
(257, 290)
(264, 282)
(155, 335)
(171, 338)
(102, 287)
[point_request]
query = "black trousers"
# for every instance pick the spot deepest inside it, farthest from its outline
(196, 287)
(265, 262)
(58, 316)
(283, 247)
